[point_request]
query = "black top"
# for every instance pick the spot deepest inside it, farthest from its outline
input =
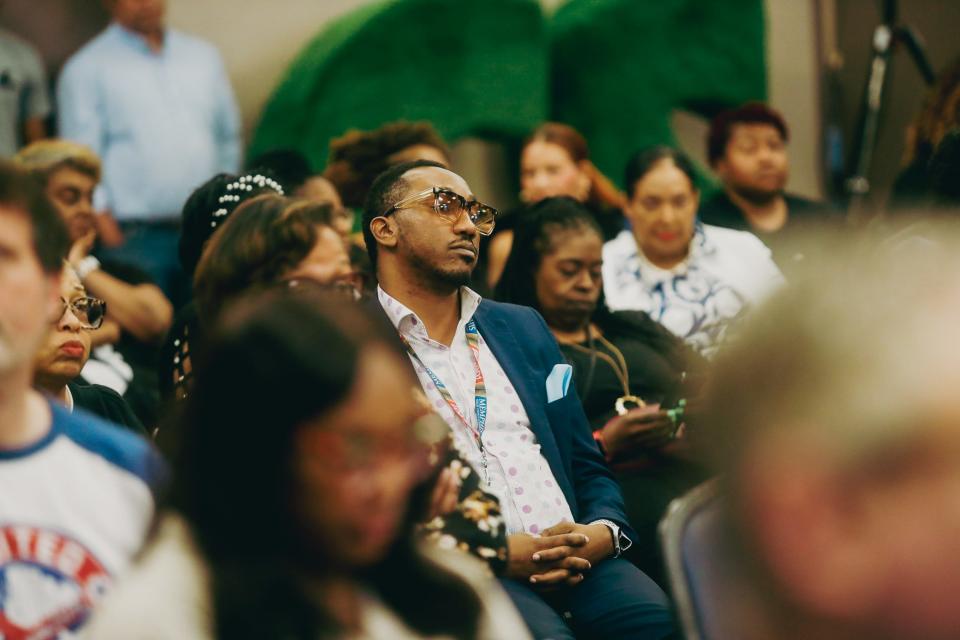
(106, 403)
(656, 363)
(141, 394)
(802, 216)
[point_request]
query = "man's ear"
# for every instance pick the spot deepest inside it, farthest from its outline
(384, 231)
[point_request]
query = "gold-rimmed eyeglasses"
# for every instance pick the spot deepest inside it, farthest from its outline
(89, 311)
(449, 205)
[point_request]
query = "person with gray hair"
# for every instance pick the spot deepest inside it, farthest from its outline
(140, 314)
(835, 421)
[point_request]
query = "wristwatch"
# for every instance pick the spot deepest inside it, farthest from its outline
(86, 265)
(620, 541)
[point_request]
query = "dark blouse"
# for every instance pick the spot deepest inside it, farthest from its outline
(657, 364)
(106, 403)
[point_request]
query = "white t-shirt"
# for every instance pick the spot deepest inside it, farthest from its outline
(74, 509)
(725, 273)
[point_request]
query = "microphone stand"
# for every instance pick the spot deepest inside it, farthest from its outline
(886, 36)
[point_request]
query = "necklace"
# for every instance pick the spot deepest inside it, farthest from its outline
(619, 365)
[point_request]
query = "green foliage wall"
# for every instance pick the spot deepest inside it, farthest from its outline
(615, 69)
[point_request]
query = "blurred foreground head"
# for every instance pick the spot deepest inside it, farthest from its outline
(837, 424)
(291, 473)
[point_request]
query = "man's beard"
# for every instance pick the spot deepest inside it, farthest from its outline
(439, 278)
(758, 197)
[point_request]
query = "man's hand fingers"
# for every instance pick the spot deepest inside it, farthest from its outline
(554, 576)
(552, 555)
(443, 500)
(574, 580)
(558, 529)
(562, 540)
(575, 564)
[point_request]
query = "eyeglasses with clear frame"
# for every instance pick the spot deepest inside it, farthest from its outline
(89, 311)
(450, 205)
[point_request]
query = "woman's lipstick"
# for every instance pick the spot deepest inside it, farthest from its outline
(72, 349)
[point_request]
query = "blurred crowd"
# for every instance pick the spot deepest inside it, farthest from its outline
(247, 399)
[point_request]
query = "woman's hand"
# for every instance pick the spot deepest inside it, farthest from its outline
(81, 248)
(641, 429)
(445, 495)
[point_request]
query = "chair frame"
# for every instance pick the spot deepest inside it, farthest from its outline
(672, 525)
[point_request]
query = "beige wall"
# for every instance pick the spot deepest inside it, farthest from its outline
(258, 38)
(794, 87)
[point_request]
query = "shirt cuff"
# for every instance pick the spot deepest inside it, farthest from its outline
(620, 540)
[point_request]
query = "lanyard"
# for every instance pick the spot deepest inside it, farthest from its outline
(479, 391)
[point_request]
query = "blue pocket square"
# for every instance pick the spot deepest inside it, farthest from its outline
(558, 382)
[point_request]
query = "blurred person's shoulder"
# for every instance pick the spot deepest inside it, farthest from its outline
(119, 447)
(734, 242)
(97, 51)
(187, 44)
(499, 617)
(623, 245)
(166, 595)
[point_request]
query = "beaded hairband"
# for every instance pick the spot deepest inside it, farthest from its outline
(243, 183)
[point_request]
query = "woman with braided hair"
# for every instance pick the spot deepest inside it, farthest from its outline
(205, 210)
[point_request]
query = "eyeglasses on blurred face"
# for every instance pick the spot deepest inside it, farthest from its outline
(450, 205)
(349, 285)
(89, 311)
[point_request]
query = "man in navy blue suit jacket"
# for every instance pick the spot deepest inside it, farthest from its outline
(562, 506)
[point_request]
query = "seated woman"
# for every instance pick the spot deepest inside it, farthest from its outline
(205, 210)
(555, 161)
(319, 541)
(124, 347)
(267, 240)
(692, 278)
(59, 362)
(632, 375)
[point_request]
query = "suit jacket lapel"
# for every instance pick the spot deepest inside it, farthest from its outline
(530, 386)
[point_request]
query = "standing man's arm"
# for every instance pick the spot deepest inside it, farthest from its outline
(35, 105)
(226, 121)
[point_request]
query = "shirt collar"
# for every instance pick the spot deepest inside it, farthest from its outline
(409, 324)
(69, 402)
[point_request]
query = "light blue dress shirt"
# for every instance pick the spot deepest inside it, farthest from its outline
(162, 123)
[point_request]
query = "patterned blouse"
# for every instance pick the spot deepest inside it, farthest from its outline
(725, 273)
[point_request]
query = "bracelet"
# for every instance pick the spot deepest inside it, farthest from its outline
(598, 437)
(86, 265)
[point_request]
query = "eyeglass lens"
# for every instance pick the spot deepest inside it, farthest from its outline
(451, 204)
(89, 311)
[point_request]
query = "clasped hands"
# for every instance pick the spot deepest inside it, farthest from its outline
(560, 556)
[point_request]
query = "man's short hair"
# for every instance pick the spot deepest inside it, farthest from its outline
(721, 127)
(24, 192)
(386, 191)
(44, 157)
